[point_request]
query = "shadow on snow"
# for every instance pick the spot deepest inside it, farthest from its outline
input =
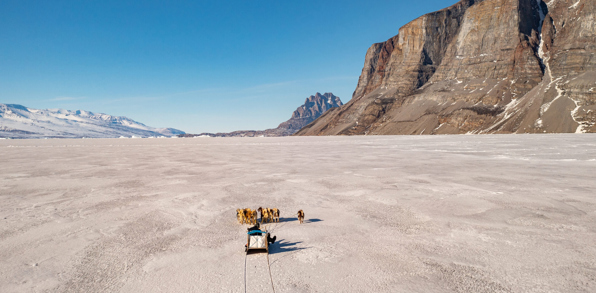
(281, 220)
(284, 246)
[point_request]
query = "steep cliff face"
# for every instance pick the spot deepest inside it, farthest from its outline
(564, 101)
(571, 63)
(492, 66)
(409, 59)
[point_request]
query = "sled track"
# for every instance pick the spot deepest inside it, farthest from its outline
(268, 263)
(268, 266)
(245, 257)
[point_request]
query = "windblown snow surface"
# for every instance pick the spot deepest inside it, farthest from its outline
(490, 213)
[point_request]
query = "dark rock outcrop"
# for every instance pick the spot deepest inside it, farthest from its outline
(484, 66)
(313, 108)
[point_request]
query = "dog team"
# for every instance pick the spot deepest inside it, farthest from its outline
(248, 216)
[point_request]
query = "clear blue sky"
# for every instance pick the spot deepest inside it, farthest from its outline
(199, 66)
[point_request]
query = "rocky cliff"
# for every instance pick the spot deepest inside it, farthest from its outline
(492, 66)
(313, 108)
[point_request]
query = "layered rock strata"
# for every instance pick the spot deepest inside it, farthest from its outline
(492, 66)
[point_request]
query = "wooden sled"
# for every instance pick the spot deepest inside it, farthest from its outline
(257, 242)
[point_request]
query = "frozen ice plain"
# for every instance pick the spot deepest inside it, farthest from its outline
(490, 213)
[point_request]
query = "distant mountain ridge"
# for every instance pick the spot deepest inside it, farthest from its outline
(313, 107)
(17, 121)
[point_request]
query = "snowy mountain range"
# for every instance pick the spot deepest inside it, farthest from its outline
(17, 121)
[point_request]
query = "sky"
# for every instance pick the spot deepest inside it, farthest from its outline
(198, 66)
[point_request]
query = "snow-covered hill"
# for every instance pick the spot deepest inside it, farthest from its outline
(17, 121)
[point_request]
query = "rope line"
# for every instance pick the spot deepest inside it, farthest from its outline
(270, 278)
(245, 256)
(268, 266)
(283, 223)
(274, 227)
(268, 263)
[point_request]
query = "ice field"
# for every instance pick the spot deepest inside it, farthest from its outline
(488, 213)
